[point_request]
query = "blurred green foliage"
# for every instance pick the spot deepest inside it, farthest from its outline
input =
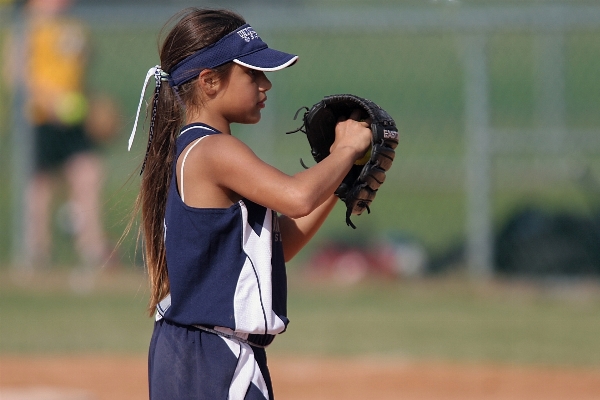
(418, 78)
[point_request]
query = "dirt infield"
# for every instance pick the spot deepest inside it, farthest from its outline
(296, 378)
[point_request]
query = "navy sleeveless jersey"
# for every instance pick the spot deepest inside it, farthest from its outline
(225, 265)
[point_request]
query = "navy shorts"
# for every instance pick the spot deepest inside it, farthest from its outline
(55, 144)
(187, 363)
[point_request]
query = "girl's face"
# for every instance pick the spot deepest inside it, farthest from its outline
(243, 95)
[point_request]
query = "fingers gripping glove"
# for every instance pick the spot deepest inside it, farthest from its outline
(359, 187)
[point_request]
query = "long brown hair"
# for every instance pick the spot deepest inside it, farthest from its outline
(194, 29)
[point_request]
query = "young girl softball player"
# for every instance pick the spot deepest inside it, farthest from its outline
(218, 222)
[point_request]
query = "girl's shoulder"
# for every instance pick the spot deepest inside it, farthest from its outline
(222, 145)
(218, 151)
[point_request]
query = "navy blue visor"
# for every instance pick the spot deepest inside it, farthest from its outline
(242, 46)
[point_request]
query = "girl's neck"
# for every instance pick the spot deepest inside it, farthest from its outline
(217, 122)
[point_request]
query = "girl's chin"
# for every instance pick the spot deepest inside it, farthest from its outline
(254, 119)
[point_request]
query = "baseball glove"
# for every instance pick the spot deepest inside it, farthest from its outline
(359, 187)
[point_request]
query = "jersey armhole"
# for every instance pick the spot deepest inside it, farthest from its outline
(187, 152)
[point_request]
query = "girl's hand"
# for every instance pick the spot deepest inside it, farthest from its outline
(353, 134)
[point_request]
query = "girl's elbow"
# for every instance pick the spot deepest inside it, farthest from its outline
(301, 206)
(287, 258)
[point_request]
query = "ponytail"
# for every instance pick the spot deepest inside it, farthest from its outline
(156, 179)
(194, 29)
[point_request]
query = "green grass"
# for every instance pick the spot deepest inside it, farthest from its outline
(445, 319)
(47, 317)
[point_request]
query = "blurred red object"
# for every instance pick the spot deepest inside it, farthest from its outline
(347, 264)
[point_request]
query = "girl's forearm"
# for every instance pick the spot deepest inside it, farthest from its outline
(297, 232)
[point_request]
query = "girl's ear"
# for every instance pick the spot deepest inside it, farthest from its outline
(208, 82)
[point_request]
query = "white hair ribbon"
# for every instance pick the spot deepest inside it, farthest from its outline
(159, 76)
(152, 71)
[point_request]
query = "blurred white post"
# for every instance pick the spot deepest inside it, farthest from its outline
(21, 146)
(479, 247)
(550, 89)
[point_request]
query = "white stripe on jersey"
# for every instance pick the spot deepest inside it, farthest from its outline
(253, 308)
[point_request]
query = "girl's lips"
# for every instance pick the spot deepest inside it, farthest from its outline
(261, 104)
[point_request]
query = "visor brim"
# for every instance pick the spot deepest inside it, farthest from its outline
(267, 60)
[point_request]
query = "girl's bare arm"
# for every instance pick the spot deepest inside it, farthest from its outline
(297, 232)
(223, 163)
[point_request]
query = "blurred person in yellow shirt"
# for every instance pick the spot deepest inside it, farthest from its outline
(54, 74)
